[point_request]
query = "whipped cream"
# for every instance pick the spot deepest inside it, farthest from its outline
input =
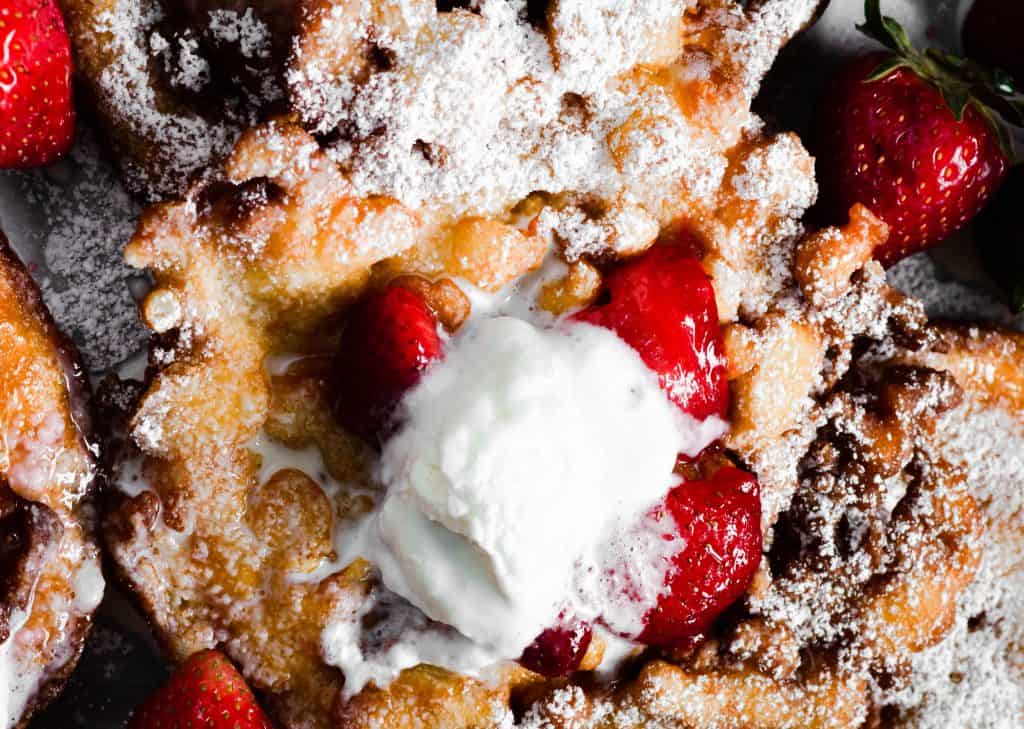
(516, 491)
(375, 639)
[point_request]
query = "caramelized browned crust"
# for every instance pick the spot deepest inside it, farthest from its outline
(872, 533)
(50, 578)
(209, 546)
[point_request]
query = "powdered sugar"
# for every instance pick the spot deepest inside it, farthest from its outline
(764, 177)
(756, 44)
(474, 111)
(625, 31)
(180, 141)
(183, 63)
(624, 229)
(976, 676)
(490, 103)
(246, 30)
(946, 297)
(428, 161)
(87, 217)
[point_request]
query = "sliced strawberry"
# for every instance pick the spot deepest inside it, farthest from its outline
(663, 305)
(558, 651)
(205, 693)
(717, 524)
(37, 118)
(390, 339)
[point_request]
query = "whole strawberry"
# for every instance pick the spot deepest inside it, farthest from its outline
(389, 340)
(662, 304)
(205, 693)
(914, 137)
(37, 118)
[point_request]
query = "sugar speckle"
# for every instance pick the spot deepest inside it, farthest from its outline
(85, 282)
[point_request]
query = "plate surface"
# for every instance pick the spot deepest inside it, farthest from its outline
(69, 223)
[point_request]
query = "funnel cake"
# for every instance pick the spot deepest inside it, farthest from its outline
(50, 579)
(236, 480)
(173, 84)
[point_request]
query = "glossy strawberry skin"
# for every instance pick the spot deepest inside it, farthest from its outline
(718, 525)
(894, 145)
(205, 693)
(37, 119)
(662, 304)
(558, 651)
(390, 339)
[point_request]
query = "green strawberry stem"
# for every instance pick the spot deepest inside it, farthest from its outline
(961, 81)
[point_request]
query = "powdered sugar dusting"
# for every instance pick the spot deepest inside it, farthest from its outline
(758, 42)
(947, 298)
(976, 676)
(476, 110)
(182, 60)
(189, 140)
(86, 284)
(246, 30)
(494, 103)
(763, 177)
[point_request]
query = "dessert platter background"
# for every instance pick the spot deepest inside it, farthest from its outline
(70, 221)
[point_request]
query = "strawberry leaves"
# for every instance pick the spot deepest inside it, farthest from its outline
(894, 146)
(885, 30)
(962, 81)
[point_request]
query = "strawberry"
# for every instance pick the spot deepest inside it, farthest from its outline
(914, 137)
(37, 118)
(558, 651)
(205, 693)
(991, 35)
(662, 304)
(717, 524)
(389, 340)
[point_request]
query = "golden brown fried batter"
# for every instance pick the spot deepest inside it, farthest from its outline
(873, 536)
(50, 580)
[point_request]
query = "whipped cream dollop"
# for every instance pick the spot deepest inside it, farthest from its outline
(528, 458)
